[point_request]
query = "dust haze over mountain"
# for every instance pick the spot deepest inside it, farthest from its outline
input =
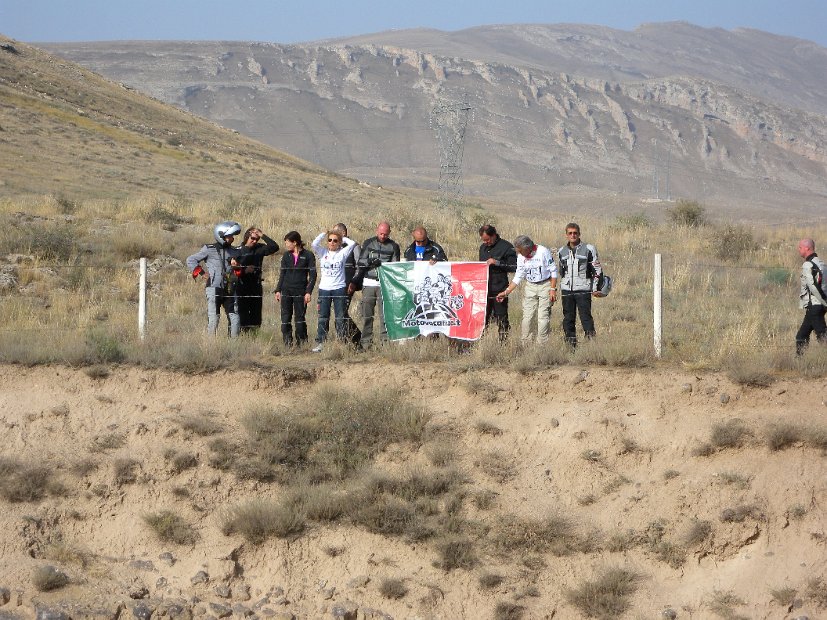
(735, 119)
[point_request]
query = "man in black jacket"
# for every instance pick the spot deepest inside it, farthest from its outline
(423, 248)
(375, 251)
(501, 258)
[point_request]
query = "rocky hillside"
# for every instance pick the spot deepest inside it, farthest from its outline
(734, 119)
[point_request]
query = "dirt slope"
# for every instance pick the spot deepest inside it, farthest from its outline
(592, 445)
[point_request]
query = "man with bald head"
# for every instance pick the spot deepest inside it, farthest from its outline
(375, 251)
(812, 297)
(423, 248)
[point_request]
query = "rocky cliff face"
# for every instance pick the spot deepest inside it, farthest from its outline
(362, 108)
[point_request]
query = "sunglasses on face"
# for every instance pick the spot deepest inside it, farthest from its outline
(333, 240)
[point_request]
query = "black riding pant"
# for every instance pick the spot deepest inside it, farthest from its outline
(574, 303)
(813, 322)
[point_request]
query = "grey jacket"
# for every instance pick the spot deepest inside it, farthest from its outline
(217, 260)
(580, 268)
(812, 285)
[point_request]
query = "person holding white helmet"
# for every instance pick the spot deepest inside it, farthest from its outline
(222, 273)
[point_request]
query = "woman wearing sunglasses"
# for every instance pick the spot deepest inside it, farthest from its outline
(332, 288)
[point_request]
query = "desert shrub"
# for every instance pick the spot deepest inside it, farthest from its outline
(171, 527)
(484, 499)
(506, 610)
(669, 553)
(553, 534)
(632, 221)
(393, 588)
(687, 213)
(223, 454)
(607, 596)
(442, 453)
(53, 243)
(166, 218)
(782, 435)
(340, 434)
(134, 243)
(98, 371)
(323, 502)
(485, 427)
(110, 441)
(698, 532)
(103, 347)
(669, 474)
(22, 482)
(182, 461)
(386, 515)
(817, 591)
(729, 434)
(749, 369)
(704, 449)
(797, 511)
(722, 604)
(490, 580)
(202, 424)
(259, 520)
(455, 553)
(784, 596)
(733, 242)
(732, 478)
(740, 513)
(417, 484)
(48, 578)
(124, 469)
(496, 465)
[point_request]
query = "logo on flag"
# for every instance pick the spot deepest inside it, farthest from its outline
(435, 305)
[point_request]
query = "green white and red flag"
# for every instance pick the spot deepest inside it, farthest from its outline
(445, 298)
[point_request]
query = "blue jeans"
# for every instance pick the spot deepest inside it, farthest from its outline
(339, 300)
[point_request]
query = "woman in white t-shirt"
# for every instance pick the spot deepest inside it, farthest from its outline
(332, 288)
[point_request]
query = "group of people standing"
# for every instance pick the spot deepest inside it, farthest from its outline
(343, 267)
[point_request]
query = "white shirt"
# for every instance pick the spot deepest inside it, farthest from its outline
(538, 267)
(332, 264)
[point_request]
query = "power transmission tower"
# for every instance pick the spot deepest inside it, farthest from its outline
(450, 120)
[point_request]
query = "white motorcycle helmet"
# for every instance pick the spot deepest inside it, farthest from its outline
(225, 229)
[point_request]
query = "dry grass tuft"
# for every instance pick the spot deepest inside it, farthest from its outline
(722, 604)
(490, 580)
(734, 479)
(125, 470)
(784, 596)
(442, 453)
(484, 427)
(393, 588)
(508, 611)
(496, 466)
(335, 434)
(259, 520)
(783, 435)
(740, 513)
(698, 533)
(48, 578)
(729, 434)
(607, 596)
(182, 461)
(554, 534)
(111, 441)
(456, 553)
(171, 527)
(202, 424)
(817, 591)
(20, 482)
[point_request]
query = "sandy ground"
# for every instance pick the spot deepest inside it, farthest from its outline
(636, 425)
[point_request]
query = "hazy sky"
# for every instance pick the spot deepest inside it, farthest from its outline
(291, 21)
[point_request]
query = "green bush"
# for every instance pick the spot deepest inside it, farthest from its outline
(687, 213)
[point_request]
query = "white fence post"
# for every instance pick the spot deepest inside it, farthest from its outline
(658, 293)
(142, 300)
